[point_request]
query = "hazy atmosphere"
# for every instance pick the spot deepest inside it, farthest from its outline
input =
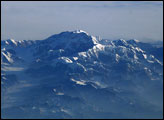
(82, 60)
(112, 20)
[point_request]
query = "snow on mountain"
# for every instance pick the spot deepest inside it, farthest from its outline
(80, 31)
(74, 75)
(69, 40)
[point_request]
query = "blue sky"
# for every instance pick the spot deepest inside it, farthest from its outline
(107, 19)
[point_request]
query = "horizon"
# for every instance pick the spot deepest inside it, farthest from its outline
(91, 35)
(107, 19)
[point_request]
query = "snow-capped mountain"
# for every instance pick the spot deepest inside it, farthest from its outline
(75, 75)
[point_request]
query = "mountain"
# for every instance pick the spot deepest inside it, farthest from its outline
(75, 75)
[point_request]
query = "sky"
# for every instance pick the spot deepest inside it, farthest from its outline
(37, 20)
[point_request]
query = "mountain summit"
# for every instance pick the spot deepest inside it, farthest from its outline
(72, 41)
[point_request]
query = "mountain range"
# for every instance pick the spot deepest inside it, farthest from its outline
(75, 75)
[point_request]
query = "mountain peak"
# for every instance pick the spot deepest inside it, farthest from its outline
(77, 40)
(120, 42)
(11, 42)
(68, 33)
(80, 31)
(133, 41)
